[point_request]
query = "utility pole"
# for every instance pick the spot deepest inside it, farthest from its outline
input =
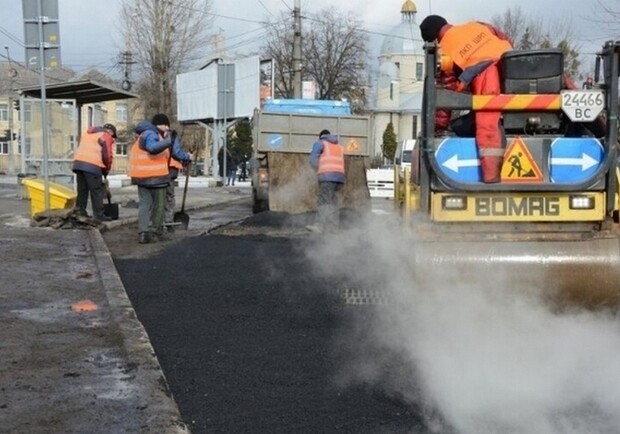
(126, 61)
(12, 74)
(41, 20)
(297, 50)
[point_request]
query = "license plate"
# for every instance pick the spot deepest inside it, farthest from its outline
(583, 105)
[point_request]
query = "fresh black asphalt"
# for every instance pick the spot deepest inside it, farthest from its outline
(247, 336)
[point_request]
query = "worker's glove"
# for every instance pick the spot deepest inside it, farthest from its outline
(442, 119)
(173, 135)
(449, 82)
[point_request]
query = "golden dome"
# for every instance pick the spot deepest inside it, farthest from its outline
(409, 6)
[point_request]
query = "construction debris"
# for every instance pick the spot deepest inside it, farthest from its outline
(65, 219)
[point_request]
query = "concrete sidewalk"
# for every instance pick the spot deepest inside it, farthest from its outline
(73, 356)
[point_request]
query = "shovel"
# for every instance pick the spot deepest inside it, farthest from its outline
(180, 217)
(110, 209)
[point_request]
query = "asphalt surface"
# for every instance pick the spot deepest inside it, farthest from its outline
(74, 357)
(252, 341)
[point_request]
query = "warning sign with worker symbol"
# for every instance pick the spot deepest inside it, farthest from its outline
(519, 165)
(351, 147)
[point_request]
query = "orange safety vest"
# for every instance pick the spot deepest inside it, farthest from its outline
(175, 163)
(331, 159)
(472, 43)
(89, 150)
(143, 164)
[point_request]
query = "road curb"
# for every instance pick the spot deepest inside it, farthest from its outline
(129, 220)
(161, 411)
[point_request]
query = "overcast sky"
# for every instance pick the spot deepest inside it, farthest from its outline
(89, 31)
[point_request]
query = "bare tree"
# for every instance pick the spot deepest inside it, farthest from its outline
(164, 35)
(334, 54)
(607, 15)
(528, 32)
(279, 47)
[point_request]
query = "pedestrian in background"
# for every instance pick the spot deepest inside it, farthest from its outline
(327, 159)
(92, 160)
(148, 169)
(231, 168)
(243, 175)
(174, 165)
(229, 164)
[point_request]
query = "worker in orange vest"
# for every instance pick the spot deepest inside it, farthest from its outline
(148, 169)
(474, 49)
(327, 159)
(92, 160)
(174, 166)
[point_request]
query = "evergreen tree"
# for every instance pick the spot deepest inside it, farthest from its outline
(389, 142)
(240, 142)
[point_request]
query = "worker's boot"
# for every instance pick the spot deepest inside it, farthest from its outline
(160, 236)
(104, 218)
(144, 238)
(80, 212)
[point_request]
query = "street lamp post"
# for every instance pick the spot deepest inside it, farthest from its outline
(41, 20)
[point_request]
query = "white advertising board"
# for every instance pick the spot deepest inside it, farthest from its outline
(197, 94)
(198, 91)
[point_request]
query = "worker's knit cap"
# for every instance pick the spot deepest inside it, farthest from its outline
(431, 26)
(160, 119)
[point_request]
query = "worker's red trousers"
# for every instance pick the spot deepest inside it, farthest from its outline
(489, 137)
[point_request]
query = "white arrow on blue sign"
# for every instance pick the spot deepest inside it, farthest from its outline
(458, 159)
(274, 141)
(574, 159)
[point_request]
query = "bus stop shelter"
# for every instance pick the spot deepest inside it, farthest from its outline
(64, 103)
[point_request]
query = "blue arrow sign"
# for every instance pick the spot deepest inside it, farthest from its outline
(275, 141)
(458, 159)
(574, 159)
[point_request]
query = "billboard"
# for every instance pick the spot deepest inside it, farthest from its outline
(266, 80)
(221, 90)
(197, 95)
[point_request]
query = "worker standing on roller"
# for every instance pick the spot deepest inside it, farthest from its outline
(473, 50)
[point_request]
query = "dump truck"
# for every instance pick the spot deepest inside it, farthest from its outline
(283, 133)
(550, 226)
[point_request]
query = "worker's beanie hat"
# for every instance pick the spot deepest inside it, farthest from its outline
(111, 128)
(431, 26)
(160, 119)
(324, 133)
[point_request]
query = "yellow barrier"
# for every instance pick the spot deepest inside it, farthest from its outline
(60, 196)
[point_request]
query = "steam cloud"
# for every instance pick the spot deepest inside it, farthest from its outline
(486, 359)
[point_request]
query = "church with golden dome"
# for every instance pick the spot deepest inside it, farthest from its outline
(399, 84)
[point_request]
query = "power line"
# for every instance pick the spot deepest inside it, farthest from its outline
(287, 6)
(266, 8)
(11, 36)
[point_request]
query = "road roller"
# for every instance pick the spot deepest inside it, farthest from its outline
(547, 227)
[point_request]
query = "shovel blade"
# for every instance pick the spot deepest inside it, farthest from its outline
(182, 219)
(111, 210)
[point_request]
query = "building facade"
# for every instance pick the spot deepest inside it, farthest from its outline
(400, 82)
(21, 138)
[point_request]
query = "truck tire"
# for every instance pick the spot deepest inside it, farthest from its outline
(257, 204)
